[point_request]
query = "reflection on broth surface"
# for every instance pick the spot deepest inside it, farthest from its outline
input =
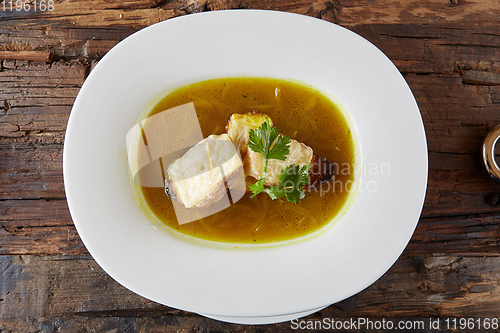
(298, 111)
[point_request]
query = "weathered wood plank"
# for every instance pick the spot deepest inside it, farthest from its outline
(459, 235)
(41, 241)
(36, 102)
(430, 286)
(354, 12)
(40, 286)
(437, 48)
(458, 184)
(456, 116)
(494, 92)
(155, 323)
(31, 185)
(34, 213)
(480, 77)
(70, 30)
(24, 84)
(45, 287)
(43, 56)
(68, 42)
(70, 73)
(424, 66)
(34, 125)
(30, 158)
(80, 13)
(96, 49)
(38, 227)
(103, 13)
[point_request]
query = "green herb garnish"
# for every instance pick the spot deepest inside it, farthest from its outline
(292, 180)
(267, 141)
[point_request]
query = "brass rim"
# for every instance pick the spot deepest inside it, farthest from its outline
(489, 153)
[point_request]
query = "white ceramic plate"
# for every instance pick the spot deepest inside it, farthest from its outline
(254, 286)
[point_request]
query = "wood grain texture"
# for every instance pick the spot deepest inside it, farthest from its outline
(43, 56)
(448, 52)
(76, 27)
(41, 290)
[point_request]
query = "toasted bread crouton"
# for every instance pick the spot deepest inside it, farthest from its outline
(238, 129)
(253, 162)
(240, 124)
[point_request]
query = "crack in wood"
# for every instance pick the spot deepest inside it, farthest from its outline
(47, 199)
(331, 11)
(480, 77)
(161, 3)
(149, 312)
(459, 216)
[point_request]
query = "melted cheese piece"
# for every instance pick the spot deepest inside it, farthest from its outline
(253, 163)
(198, 178)
(239, 127)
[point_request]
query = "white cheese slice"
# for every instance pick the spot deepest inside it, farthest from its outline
(299, 154)
(238, 129)
(199, 177)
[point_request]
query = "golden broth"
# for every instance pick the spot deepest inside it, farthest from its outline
(296, 110)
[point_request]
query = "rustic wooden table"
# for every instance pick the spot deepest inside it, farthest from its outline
(447, 50)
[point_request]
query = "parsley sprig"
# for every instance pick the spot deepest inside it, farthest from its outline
(267, 141)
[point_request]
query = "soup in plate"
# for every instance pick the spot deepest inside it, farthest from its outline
(314, 124)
